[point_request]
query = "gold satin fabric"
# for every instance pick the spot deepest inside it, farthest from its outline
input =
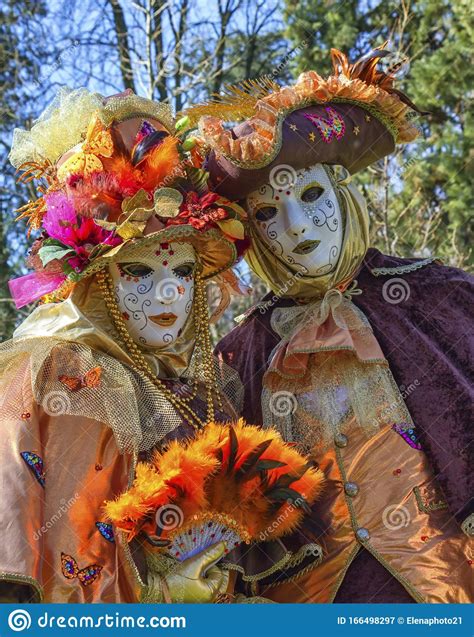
(283, 281)
(88, 439)
(419, 543)
(83, 468)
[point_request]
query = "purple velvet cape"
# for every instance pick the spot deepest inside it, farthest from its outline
(427, 339)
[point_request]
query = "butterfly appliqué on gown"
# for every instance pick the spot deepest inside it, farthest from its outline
(71, 570)
(91, 379)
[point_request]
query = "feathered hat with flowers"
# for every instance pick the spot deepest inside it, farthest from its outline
(113, 175)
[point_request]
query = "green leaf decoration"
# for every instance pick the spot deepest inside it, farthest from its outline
(139, 205)
(107, 225)
(288, 478)
(266, 465)
(182, 123)
(189, 143)
(198, 177)
(167, 202)
(53, 249)
(230, 211)
(232, 227)
(131, 229)
(71, 274)
(279, 495)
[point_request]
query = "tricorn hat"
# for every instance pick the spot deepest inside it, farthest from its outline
(352, 118)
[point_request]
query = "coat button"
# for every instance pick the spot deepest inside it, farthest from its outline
(351, 489)
(362, 534)
(340, 440)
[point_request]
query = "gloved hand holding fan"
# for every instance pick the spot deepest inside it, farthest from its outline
(231, 483)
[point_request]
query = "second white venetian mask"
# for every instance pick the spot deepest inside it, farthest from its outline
(301, 224)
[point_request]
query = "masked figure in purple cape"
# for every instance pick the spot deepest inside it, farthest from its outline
(361, 358)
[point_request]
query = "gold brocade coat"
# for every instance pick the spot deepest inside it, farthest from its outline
(381, 496)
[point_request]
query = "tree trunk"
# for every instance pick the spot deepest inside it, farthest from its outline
(123, 45)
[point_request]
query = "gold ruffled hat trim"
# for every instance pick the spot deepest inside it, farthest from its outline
(216, 253)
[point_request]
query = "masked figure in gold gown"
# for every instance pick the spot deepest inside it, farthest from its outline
(117, 359)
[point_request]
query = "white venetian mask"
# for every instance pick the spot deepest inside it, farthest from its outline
(155, 293)
(302, 224)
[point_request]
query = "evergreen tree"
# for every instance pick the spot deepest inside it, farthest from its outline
(420, 200)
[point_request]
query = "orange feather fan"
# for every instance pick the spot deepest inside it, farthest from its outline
(231, 482)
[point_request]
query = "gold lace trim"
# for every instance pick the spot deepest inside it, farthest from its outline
(289, 560)
(153, 592)
(172, 233)
(297, 575)
(404, 269)
(121, 108)
(24, 579)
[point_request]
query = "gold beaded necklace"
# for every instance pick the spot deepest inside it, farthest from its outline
(203, 349)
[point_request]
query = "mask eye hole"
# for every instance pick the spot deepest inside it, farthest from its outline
(184, 270)
(136, 270)
(265, 213)
(312, 194)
